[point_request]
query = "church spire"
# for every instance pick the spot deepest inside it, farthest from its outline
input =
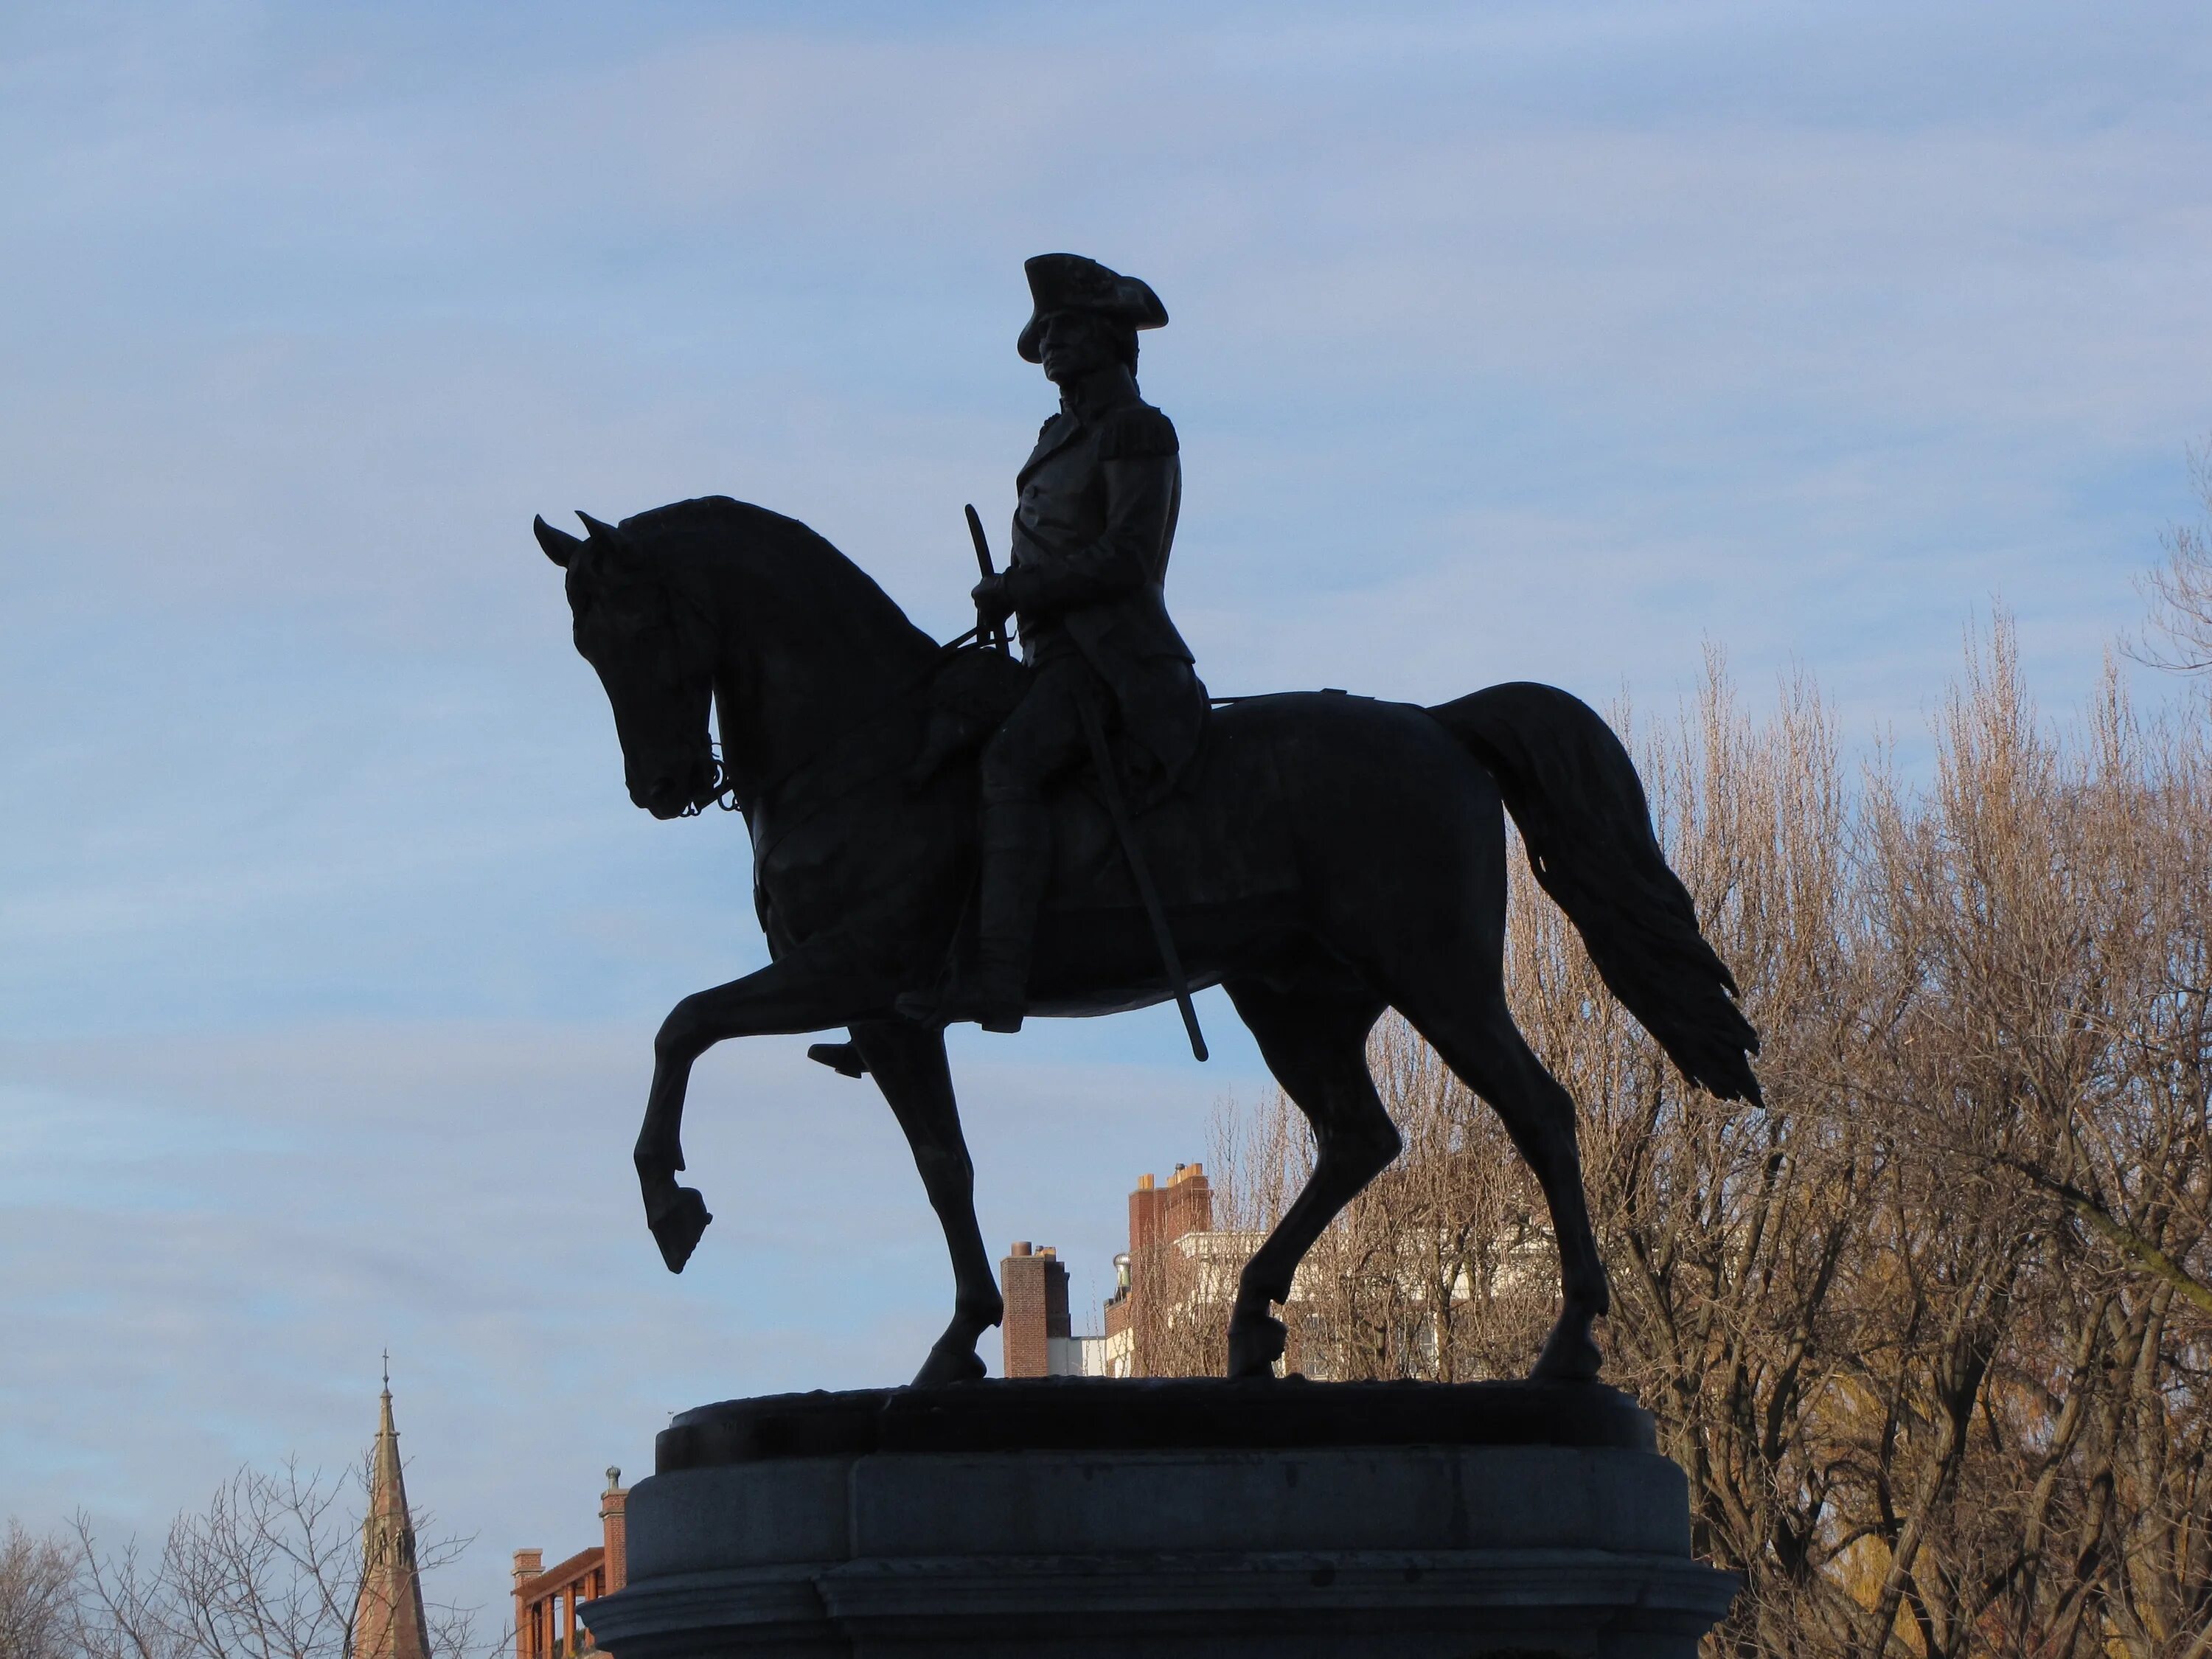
(387, 1618)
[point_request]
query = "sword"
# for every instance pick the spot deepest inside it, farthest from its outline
(994, 635)
(1110, 786)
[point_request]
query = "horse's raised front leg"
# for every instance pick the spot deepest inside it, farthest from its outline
(806, 991)
(1317, 1046)
(908, 1062)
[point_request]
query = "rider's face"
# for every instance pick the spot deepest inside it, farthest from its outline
(1072, 345)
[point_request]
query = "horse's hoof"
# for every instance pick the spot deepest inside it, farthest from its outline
(677, 1225)
(949, 1365)
(1255, 1345)
(1570, 1355)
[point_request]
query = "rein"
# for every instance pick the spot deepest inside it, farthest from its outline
(725, 794)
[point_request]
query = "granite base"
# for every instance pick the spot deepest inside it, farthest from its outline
(1068, 1518)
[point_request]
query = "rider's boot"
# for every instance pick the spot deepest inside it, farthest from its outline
(1017, 849)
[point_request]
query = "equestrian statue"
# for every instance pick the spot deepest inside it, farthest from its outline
(946, 834)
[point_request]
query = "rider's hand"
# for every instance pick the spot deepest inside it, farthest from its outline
(993, 605)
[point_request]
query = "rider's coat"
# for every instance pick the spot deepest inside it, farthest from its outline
(1092, 531)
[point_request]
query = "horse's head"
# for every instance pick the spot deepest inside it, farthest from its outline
(650, 644)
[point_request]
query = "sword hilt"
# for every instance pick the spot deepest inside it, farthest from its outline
(996, 634)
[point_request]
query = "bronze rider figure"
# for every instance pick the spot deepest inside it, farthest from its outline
(1092, 529)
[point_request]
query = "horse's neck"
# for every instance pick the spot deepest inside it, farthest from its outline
(786, 688)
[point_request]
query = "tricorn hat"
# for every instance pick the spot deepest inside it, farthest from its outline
(1068, 281)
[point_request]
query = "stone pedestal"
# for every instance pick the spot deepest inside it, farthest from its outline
(1068, 1517)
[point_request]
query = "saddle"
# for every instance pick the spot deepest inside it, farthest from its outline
(974, 691)
(970, 696)
(1180, 825)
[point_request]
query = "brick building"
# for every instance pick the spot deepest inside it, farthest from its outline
(1173, 1286)
(1177, 1265)
(1174, 1259)
(546, 1599)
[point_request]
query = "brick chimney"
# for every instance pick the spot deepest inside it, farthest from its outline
(615, 1528)
(1144, 1214)
(528, 1564)
(1160, 1215)
(1187, 1206)
(1034, 1285)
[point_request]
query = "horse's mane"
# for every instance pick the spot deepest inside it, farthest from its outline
(787, 572)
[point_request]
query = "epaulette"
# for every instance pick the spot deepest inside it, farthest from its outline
(1133, 433)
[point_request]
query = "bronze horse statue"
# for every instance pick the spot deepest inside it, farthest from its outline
(1325, 858)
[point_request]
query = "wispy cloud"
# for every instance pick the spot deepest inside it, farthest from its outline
(1512, 341)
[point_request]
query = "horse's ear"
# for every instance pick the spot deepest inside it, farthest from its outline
(560, 546)
(607, 538)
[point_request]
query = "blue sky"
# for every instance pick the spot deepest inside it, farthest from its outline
(1547, 341)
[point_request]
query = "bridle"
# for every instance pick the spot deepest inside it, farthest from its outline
(724, 794)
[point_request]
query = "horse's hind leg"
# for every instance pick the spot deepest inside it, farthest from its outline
(908, 1062)
(1470, 1026)
(1317, 1046)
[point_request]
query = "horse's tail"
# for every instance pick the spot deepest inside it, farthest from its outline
(1574, 794)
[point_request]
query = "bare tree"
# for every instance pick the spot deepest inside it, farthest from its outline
(1931, 1331)
(271, 1568)
(2179, 591)
(38, 1595)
